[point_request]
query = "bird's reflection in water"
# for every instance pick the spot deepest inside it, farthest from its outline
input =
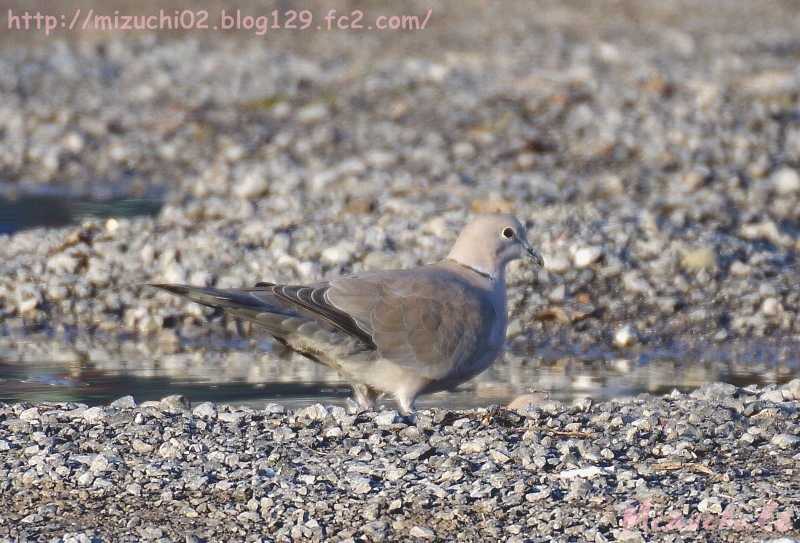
(248, 372)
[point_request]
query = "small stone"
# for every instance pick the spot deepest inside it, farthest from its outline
(312, 113)
(360, 485)
(772, 396)
(463, 149)
(386, 418)
(771, 307)
(28, 298)
(526, 402)
(231, 417)
(151, 532)
(125, 402)
(141, 447)
(395, 473)
(586, 256)
(557, 263)
(740, 269)
(99, 464)
(86, 478)
(169, 450)
(786, 181)
(694, 179)
(341, 253)
(252, 185)
(785, 441)
(585, 473)
(313, 412)
(274, 409)
(421, 533)
(715, 392)
(710, 505)
(206, 410)
(381, 159)
(499, 457)
(32, 413)
(624, 535)
(418, 451)
(700, 258)
(361, 205)
(558, 295)
(94, 415)
(770, 82)
(174, 403)
(622, 365)
(473, 446)
(101, 484)
(791, 390)
(492, 204)
(626, 336)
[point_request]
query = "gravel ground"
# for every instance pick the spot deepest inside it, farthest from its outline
(718, 464)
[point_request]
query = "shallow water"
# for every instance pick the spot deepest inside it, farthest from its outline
(247, 372)
(54, 210)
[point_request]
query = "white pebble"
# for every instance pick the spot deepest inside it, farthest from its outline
(586, 256)
(786, 181)
(557, 263)
(252, 185)
(771, 307)
(625, 336)
(340, 253)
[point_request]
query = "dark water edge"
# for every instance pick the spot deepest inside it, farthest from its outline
(46, 210)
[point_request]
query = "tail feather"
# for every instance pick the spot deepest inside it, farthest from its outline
(239, 303)
(214, 297)
(293, 326)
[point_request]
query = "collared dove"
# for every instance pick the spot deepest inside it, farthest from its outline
(403, 332)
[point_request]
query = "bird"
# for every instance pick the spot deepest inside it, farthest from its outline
(401, 333)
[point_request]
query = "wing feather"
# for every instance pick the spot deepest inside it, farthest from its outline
(429, 319)
(426, 319)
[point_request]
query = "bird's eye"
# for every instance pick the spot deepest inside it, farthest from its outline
(508, 232)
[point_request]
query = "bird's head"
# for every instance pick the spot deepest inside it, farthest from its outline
(490, 241)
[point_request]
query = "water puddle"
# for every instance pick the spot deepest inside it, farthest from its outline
(247, 372)
(48, 210)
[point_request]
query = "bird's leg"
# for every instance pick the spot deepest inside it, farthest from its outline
(365, 396)
(406, 405)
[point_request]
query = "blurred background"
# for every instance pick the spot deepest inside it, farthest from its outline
(653, 147)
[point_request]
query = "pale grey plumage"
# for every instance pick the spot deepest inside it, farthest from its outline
(403, 332)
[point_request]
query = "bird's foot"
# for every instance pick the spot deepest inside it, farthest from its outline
(352, 407)
(406, 405)
(364, 399)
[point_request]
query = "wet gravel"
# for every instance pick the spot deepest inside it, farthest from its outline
(721, 462)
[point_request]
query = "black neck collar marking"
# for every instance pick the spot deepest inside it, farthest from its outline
(479, 272)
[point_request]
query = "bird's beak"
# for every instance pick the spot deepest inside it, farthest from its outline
(533, 253)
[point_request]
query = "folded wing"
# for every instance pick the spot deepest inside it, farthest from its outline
(426, 320)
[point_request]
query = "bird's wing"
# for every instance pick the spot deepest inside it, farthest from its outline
(281, 309)
(429, 320)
